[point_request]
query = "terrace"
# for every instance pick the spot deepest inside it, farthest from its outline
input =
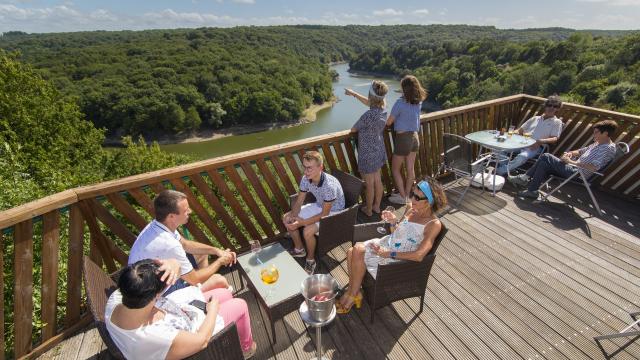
(512, 279)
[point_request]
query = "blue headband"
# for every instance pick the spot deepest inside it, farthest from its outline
(426, 189)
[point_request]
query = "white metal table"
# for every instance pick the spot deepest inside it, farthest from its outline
(489, 139)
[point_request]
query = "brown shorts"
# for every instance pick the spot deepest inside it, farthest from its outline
(405, 143)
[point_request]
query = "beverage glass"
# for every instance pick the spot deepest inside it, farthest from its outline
(382, 230)
(255, 249)
(269, 275)
(511, 130)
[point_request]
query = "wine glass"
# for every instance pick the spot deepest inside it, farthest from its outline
(255, 248)
(269, 275)
(382, 230)
(512, 129)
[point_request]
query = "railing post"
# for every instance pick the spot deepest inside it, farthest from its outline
(491, 121)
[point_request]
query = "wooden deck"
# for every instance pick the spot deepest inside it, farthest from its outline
(512, 280)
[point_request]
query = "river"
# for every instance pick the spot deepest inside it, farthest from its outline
(344, 113)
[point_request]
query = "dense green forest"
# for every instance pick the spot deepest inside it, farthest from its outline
(47, 145)
(591, 70)
(61, 94)
(170, 81)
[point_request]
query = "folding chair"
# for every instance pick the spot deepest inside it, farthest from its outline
(579, 178)
(632, 330)
(458, 159)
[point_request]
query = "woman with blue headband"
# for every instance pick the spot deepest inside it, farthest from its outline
(411, 239)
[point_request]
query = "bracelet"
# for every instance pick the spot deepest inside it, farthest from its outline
(393, 254)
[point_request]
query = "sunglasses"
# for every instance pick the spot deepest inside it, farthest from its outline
(552, 105)
(415, 196)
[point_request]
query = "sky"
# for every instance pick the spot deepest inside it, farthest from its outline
(40, 16)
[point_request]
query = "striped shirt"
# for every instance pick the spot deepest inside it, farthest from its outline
(598, 155)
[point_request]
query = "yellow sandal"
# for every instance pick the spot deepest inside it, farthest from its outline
(356, 300)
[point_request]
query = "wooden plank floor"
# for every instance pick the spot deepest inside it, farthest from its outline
(512, 280)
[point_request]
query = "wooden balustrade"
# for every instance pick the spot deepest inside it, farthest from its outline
(234, 198)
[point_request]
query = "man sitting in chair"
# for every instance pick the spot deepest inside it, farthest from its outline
(161, 240)
(586, 160)
(544, 129)
(329, 198)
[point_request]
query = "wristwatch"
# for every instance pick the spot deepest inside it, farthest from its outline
(393, 254)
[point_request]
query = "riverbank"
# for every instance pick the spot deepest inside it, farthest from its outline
(309, 115)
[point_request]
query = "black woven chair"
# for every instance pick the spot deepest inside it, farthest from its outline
(99, 286)
(399, 279)
(333, 228)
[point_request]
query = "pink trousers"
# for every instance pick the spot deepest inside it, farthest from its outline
(233, 310)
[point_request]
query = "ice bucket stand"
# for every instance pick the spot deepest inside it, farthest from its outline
(306, 317)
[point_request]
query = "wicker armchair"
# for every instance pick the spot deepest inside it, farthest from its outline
(332, 227)
(397, 280)
(223, 345)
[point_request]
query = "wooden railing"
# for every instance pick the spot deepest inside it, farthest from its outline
(234, 198)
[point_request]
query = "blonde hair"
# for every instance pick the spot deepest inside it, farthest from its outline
(412, 90)
(313, 155)
(381, 89)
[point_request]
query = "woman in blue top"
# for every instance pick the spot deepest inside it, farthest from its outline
(405, 117)
(371, 151)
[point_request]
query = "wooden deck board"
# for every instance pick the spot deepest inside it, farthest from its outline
(513, 279)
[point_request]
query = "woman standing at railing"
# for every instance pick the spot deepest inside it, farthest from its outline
(371, 150)
(405, 117)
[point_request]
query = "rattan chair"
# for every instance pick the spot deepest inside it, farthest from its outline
(578, 177)
(99, 286)
(399, 279)
(333, 227)
(458, 159)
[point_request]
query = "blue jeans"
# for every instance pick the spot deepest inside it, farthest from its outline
(516, 162)
(546, 166)
(181, 284)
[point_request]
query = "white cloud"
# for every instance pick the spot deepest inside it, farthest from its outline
(387, 12)
(244, 1)
(421, 12)
(614, 2)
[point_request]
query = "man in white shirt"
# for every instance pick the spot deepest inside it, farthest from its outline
(161, 240)
(544, 129)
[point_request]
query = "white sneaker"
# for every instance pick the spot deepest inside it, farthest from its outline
(397, 199)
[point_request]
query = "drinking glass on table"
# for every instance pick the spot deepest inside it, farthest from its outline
(526, 136)
(512, 129)
(382, 230)
(255, 248)
(269, 275)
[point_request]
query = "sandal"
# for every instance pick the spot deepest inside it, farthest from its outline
(355, 300)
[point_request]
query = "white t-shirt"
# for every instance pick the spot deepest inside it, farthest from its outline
(543, 128)
(154, 341)
(156, 241)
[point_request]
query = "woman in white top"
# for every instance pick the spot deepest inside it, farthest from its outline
(145, 325)
(412, 238)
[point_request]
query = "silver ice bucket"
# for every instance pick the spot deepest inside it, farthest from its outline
(319, 293)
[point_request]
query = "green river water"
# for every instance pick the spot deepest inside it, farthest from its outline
(344, 113)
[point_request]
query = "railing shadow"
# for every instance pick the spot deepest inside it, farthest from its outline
(468, 202)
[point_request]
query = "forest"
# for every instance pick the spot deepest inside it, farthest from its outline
(159, 82)
(77, 89)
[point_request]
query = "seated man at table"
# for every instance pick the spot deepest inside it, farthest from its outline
(161, 240)
(544, 129)
(586, 160)
(329, 199)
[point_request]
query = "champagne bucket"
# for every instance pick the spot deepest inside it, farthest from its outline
(319, 293)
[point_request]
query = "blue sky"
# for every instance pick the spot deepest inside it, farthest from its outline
(56, 16)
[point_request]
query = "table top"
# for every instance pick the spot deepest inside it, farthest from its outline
(488, 138)
(291, 273)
